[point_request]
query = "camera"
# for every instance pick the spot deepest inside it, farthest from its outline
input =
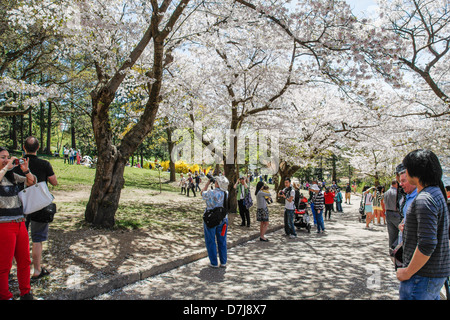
(211, 178)
(17, 162)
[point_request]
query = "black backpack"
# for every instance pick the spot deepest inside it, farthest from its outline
(213, 217)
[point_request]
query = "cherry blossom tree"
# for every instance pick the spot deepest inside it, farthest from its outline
(421, 30)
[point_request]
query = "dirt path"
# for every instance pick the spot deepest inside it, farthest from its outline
(76, 253)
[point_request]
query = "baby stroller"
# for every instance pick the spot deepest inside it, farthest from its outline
(301, 219)
(362, 212)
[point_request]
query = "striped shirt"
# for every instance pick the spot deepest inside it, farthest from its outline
(10, 204)
(319, 201)
(426, 228)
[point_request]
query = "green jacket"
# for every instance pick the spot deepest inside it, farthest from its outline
(239, 191)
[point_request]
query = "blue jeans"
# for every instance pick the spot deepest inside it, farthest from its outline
(313, 212)
(211, 234)
(339, 206)
(290, 220)
(319, 219)
(421, 288)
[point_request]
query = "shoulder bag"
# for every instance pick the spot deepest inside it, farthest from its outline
(35, 197)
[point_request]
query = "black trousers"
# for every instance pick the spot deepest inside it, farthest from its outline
(190, 188)
(328, 208)
(244, 213)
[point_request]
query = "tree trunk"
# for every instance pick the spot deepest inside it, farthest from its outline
(333, 172)
(14, 133)
(171, 145)
(108, 184)
(41, 123)
(230, 166)
(109, 181)
(232, 176)
(49, 128)
(30, 123)
(285, 171)
(72, 130)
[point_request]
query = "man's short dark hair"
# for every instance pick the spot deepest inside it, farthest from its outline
(424, 165)
(287, 179)
(31, 144)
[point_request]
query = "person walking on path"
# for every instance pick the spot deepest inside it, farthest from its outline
(329, 200)
(14, 242)
(377, 205)
(368, 204)
(216, 237)
(43, 170)
(426, 251)
(319, 204)
(263, 196)
(242, 190)
(288, 193)
(197, 181)
(348, 193)
(190, 184)
(393, 216)
(182, 184)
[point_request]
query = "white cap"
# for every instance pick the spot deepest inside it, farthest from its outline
(314, 187)
(223, 182)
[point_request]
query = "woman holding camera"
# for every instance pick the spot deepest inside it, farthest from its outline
(263, 197)
(242, 190)
(13, 232)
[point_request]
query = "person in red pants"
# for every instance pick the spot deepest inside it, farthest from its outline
(14, 242)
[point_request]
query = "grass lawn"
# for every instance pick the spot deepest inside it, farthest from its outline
(71, 176)
(133, 214)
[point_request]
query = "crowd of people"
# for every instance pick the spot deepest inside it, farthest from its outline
(415, 211)
(15, 227)
(74, 156)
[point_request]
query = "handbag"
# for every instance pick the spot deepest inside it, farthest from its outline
(35, 197)
(45, 215)
(248, 201)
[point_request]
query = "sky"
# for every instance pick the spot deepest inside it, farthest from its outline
(362, 7)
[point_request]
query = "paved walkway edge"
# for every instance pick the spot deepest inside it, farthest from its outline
(91, 290)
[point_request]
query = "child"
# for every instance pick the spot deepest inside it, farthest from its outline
(338, 200)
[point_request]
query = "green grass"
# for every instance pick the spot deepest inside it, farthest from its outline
(130, 214)
(72, 176)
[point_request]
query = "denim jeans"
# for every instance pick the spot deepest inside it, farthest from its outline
(218, 233)
(421, 288)
(313, 212)
(290, 221)
(319, 219)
